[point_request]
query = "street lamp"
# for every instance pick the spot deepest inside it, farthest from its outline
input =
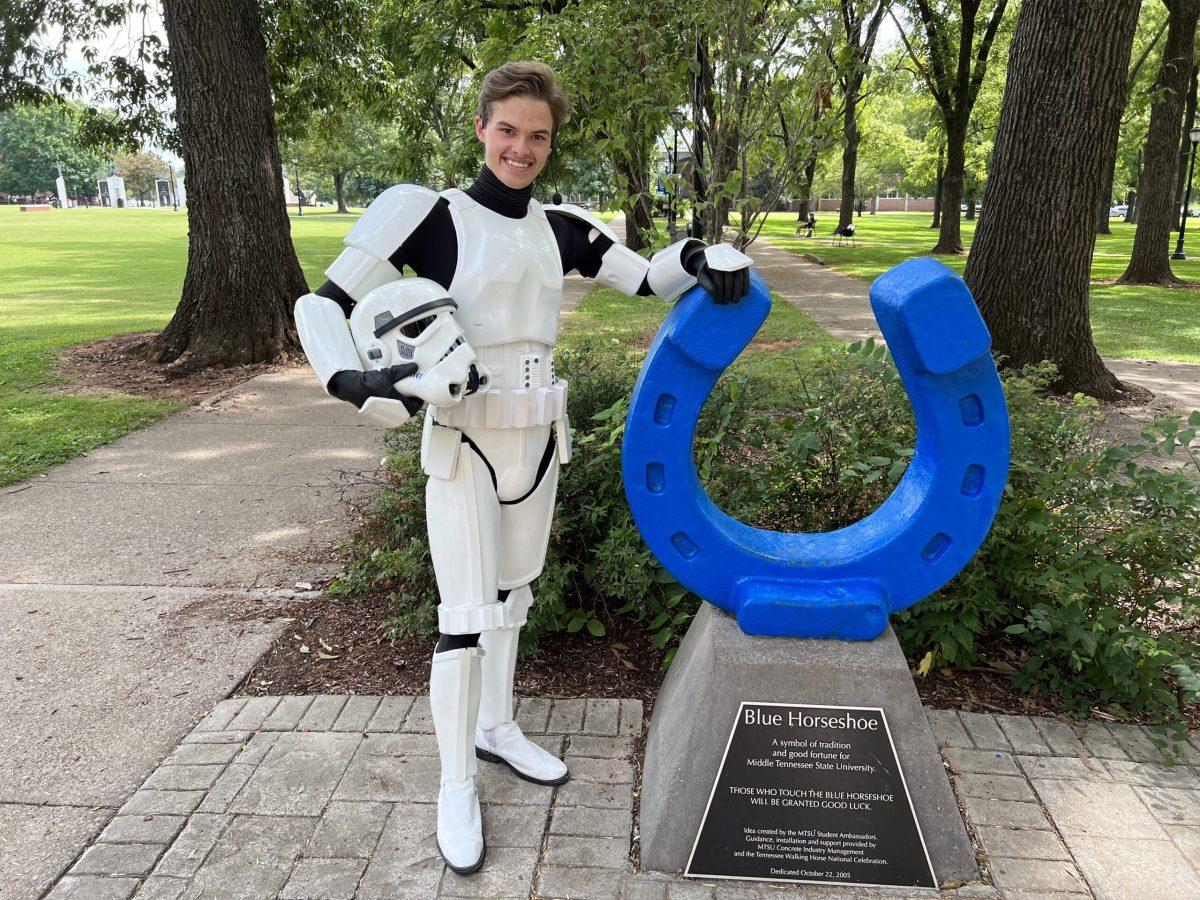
(299, 194)
(1194, 135)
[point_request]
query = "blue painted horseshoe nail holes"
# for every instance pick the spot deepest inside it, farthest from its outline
(845, 583)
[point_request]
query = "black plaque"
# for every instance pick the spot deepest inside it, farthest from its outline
(811, 794)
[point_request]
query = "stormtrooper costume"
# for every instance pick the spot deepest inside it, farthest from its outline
(473, 336)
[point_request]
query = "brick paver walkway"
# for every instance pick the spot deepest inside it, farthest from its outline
(334, 797)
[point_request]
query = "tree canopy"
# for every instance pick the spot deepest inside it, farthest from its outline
(35, 140)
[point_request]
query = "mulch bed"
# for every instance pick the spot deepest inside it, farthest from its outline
(118, 365)
(343, 646)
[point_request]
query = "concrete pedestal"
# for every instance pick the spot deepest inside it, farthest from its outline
(718, 666)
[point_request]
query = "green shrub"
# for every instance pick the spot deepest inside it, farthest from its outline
(1092, 565)
(1088, 582)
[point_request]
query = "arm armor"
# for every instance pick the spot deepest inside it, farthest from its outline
(326, 340)
(668, 277)
(388, 222)
(325, 337)
(620, 267)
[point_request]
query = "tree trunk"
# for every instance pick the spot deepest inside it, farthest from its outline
(970, 209)
(1105, 204)
(1131, 197)
(1151, 262)
(1030, 263)
(339, 189)
(937, 193)
(950, 233)
(1185, 143)
(639, 214)
(242, 273)
(810, 175)
(850, 138)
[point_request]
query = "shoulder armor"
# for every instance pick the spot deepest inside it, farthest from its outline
(578, 212)
(390, 219)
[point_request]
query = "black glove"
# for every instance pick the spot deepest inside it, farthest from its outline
(722, 286)
(355, 387)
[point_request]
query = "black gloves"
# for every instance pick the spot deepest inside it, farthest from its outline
(356, 387)
(722, 286)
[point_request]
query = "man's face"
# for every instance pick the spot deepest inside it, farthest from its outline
(516, 141)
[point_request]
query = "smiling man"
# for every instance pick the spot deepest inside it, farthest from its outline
(473, 336)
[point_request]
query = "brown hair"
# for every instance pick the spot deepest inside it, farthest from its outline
(524, 78)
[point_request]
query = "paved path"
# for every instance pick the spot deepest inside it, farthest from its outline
(335, 797)
(111, 569)
(841, 305)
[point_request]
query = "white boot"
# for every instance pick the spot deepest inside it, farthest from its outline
(454, 681)
(498, 738)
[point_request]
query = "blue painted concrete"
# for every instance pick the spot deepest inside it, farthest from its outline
(845, 583)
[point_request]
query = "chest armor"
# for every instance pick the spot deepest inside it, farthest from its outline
(508, 279)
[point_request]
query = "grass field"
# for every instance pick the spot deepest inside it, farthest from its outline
(85, 274)
(78, 275)
(1145, 322)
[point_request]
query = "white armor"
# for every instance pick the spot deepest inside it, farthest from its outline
(386, 224)
(488, 511)
(492, 457)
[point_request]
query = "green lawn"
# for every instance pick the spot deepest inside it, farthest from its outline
(788, 332)
(1146, 322)
(82, 274)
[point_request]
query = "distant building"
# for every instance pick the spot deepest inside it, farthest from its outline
(881, 203)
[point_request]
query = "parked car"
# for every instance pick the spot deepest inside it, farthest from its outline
(1120, 210)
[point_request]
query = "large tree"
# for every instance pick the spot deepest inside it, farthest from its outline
(1149, 31)
(1157, 194)
(957, 38)
(242, 272)
(621, 63)
(1030, 263)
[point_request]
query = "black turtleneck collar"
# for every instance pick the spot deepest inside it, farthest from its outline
(488, 190)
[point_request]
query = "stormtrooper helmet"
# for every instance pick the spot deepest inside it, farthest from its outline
(412, 321)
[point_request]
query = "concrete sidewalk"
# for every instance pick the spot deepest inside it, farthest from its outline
(112, 569)
(307, 798)
(841, 305)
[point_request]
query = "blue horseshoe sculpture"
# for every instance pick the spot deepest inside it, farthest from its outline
(842, 584)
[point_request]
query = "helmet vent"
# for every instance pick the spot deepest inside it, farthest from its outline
(414, 329)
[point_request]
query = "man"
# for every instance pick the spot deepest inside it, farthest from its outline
(496, 434)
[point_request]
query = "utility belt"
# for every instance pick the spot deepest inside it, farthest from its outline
(440, 446)
(508, 408)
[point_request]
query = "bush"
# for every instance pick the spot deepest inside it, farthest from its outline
(1087, 584)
